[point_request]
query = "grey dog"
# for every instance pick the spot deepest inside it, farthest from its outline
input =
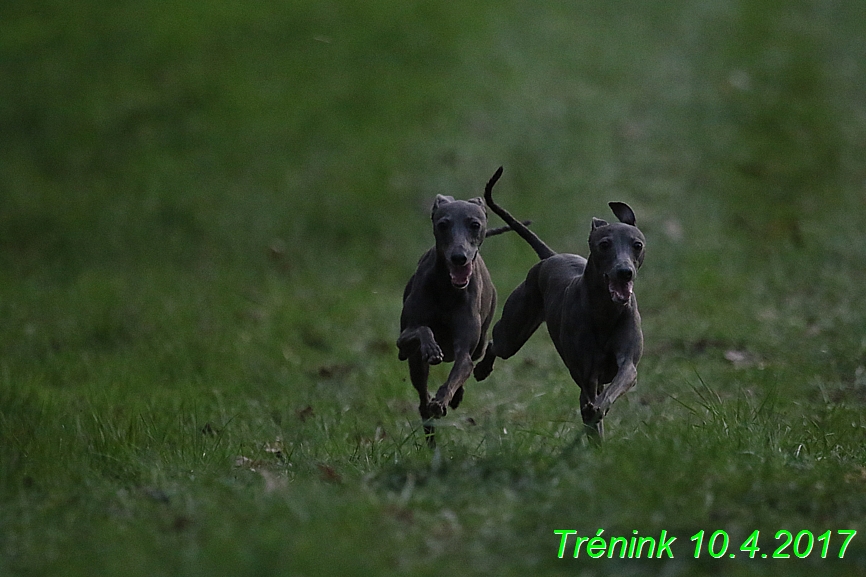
(588, 304)
(448, 305)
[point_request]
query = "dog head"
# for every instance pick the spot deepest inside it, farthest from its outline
(459, 227)
(617, 251)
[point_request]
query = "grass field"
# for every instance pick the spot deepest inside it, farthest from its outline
(208, 211)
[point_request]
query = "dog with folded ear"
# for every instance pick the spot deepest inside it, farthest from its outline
(589, 307)
(448, 305)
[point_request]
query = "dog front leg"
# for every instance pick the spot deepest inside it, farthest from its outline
(419, 371)
(456, 378)
(420, 340)
(624, 380)
(589, 413)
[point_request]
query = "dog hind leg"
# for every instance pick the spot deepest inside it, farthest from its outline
(522, 314)
(419, 371)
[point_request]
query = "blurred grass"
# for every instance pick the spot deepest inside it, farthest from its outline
(208, 211)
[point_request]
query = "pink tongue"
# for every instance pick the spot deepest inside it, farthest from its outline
(460, 274)
(620, 292)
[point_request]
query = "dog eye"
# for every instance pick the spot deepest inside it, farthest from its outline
(604, 244)
(475, 225)
(638, 245)
(443, 225)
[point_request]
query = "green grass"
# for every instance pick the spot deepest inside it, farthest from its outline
(208, 212)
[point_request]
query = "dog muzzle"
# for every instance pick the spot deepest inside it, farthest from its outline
(620, 290)
(461, 274)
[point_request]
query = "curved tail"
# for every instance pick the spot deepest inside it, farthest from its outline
(501, 229)
(542, 250)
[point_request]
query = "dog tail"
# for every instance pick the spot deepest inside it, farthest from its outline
(542, 250)
(501, 229)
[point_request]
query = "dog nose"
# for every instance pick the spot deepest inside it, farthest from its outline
(458, 259)
(625, 274)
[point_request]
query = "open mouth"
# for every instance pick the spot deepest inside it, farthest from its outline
(620, 291)
(460, 275)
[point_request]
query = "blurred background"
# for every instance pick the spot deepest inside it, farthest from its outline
(174, 166)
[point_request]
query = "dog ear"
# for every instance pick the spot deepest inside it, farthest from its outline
(440, 200)
(597, 222)
(479, 201)
(623, 212)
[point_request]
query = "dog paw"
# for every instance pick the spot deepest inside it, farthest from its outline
(437, 408)
(591, 414)
(482, 370)
(431, 353)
